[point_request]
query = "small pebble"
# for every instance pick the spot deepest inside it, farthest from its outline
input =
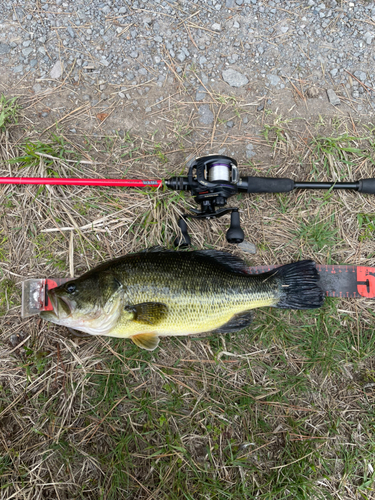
(234, 78)
(250, 153)
(333, 98)
(56, 70)
(206, 116)
(248, 247)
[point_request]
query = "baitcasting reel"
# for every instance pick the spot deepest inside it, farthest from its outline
(211, 180)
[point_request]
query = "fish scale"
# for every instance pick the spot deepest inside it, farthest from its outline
(209, 298)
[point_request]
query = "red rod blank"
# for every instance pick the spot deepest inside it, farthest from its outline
(81, 182)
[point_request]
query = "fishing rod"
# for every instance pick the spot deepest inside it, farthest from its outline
(211, 180)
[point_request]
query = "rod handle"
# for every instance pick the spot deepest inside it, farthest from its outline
(367, 186)
(266, 185)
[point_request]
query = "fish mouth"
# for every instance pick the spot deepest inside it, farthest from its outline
(59, 304)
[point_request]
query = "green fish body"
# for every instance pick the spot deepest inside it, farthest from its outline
(153, 294)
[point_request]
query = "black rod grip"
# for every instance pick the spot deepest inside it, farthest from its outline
(326, 185)
(367, 186)
(268, 185)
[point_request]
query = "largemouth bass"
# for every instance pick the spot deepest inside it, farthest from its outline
(156, 293)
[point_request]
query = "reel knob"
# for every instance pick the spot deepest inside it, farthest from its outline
(235, 233)
(183, 240)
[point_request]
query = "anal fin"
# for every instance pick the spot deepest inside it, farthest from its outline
(236, 323)
(148, 341)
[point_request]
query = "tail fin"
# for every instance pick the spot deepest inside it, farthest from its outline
(299, 284)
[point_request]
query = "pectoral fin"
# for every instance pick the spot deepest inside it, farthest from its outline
(150, 313)
(148, 341)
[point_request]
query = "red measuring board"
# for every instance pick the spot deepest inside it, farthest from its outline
(339, 281)
(35, 295)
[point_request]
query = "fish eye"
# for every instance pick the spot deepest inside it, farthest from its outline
(71, 288)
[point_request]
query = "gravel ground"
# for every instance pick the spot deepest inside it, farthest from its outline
(262, 47)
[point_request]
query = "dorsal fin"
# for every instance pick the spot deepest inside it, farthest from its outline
(155, 248)
(227, 260)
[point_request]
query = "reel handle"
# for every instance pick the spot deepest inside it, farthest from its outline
(183, 240)
(235, 234)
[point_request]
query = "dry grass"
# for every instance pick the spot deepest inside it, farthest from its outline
(283, 410)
